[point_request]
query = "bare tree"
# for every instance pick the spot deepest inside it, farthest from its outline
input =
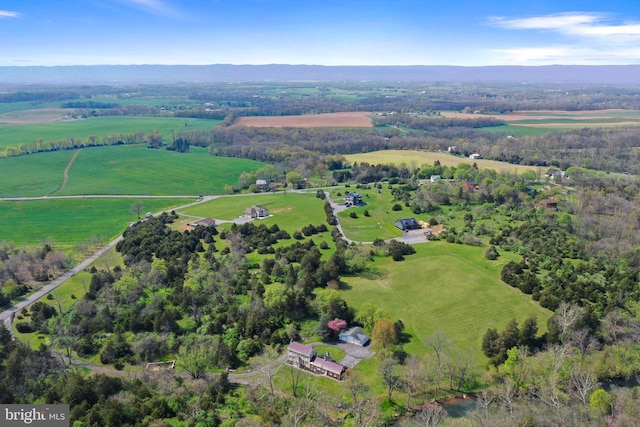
(439, 343)
(358, 391)
(567, 315)
(414, 377)
(293, 377)
(137, 208)
(430, 415)
(582, 382)
(387, 372)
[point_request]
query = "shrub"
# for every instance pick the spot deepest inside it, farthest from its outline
(491, 253)
(396, 207)
(353, 215)
(366, 213)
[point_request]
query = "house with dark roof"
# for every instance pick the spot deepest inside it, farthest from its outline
(354, 335)
(406, 224)
(353, 199)
(256, 211)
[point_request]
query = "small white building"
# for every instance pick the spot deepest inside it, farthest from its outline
(354, 335)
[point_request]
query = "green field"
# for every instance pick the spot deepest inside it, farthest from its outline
(69, 222)
(411, 157)
(291, 211)
(446, 287)
(33, 175)
(12, 136)
(519, 130)
(380, 223)
(121, 170)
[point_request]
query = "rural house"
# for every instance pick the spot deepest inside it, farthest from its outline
(206, 222)
(354, 335)
(550, 204)
(353, 199)
(256, 211)
(300, 355)
(405, 224)
(304, 357)
(327, 367)
(470, 185)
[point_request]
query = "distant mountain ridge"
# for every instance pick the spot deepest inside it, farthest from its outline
(141, 74)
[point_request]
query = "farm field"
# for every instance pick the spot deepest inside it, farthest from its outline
(121, 170)
(429, 157)
(446, 287)
(560, 120)
(68, 222)
(33, 175)
(12, 136)
(348, 119)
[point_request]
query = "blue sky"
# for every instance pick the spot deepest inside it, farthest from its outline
(322, 32)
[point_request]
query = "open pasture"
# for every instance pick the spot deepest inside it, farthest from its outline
(443, 287)
(69, 222)
(410, 157)
(13, 136)
(348, 119)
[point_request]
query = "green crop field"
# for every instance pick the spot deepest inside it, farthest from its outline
(12, 136)
(69, 222)
(443, 287)
(32, 175)
(121, 170)
(409, 157)
(519, 130)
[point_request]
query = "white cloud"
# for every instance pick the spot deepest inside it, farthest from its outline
(156, 7)
(574, 24)
(583, 38)
(8, 14)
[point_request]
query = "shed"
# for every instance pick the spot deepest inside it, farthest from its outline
(256, 211)
(206, 222)
(354, 335)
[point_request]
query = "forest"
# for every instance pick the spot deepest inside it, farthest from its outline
(226, 300)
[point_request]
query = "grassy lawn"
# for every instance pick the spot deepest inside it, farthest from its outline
(291, 211)
(336, 353)
(410, 157)
(70, 221)
(12, 136)
(380, 223)
(446, 287)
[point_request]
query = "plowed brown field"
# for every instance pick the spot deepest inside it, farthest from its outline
(349, 119)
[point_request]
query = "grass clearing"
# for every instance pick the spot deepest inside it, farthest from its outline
(411, 157)
(446, 287)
